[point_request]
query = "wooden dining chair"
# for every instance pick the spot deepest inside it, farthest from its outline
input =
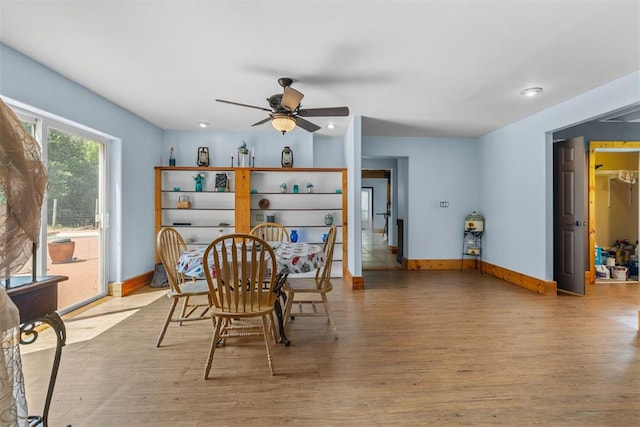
(309, 289)
(271, 232)
(235, 267)
(170, 245)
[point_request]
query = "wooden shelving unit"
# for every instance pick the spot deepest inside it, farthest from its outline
(238, 209)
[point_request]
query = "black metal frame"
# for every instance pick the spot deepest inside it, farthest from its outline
(28, 335)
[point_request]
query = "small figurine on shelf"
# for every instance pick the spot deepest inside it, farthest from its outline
(287, 157)
(283, 187)
(199, 179)
(309, 187)
(243, 155)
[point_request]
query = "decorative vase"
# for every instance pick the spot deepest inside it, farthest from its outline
(296, 189)
(61, 250)
(328, 219)
(294, 235)
(198, 186)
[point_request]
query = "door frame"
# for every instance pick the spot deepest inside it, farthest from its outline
(593, 146)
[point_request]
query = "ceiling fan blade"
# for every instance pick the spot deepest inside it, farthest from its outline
(261, 122)
(243, 105)
(306, 125)
(291, 98)
(324, 112)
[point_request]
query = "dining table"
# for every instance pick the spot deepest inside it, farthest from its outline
(291, 258)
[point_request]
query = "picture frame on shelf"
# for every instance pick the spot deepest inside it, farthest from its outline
(222, 182)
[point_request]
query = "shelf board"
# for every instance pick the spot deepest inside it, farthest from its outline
(295, 194)
(193, 191)
(296, 209)
(198, 226)
(198, 209)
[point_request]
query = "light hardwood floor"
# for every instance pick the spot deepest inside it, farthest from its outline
(415, 348)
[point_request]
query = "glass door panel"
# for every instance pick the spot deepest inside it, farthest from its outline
(74, 232)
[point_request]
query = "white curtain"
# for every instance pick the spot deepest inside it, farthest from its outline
(23, 182)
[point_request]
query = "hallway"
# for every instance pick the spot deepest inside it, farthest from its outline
(376, 254)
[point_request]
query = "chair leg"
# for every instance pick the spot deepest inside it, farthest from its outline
(266, 342)
(174, 302)
(326, 308)
(223, 331)
(183, 312)
(212, 349)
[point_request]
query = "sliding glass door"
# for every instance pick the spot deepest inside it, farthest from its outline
(72, 241)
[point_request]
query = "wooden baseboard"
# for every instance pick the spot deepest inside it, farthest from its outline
(356, 282)
(542, 287)
(394, 249)
(432, 264)
(122, 289)
(537, 285)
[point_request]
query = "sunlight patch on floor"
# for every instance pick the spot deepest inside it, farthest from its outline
(94, 321)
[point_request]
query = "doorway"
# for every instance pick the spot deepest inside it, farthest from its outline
(614, 212)
(377, 253)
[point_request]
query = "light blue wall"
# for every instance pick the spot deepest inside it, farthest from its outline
(131, 242)
(516, 177)
(597, 131)
(437, 169)
(222, 145)
(328, 152)
(353, 157)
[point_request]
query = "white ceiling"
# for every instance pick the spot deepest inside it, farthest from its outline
(410, 68)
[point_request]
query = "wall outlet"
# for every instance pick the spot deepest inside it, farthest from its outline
(260, 217)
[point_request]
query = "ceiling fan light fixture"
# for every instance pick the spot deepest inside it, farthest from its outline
(531, 91)
(283, 123)
(203, 124)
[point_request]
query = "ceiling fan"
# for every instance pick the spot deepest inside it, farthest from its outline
(286, 111)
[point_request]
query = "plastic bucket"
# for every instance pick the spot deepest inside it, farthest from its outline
(620, 273)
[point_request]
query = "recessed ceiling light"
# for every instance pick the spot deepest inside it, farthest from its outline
(203, 124)
(331, 125)
(531, 91)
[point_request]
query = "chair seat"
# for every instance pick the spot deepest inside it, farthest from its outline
(307, 285)
(199, 287)
(215, 311)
